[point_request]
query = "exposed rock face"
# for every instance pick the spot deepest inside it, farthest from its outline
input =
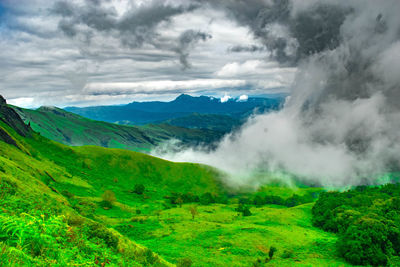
(2, 100)
(12, 119)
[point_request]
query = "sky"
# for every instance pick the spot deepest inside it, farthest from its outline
(93, 52)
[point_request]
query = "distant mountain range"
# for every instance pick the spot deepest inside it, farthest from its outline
(138, 113)
(191, 120)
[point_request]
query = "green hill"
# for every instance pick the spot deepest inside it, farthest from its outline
(94, 206)
(46, 187)
(71, 129)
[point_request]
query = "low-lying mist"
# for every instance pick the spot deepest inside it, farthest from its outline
(341, 124)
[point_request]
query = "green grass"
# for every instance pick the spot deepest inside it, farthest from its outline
(61, 188)
(218, 236)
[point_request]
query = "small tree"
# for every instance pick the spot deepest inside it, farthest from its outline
(108, 198)
(193, 211)
(179, 201)
(139, 189)
(246, 211)
(271, 252)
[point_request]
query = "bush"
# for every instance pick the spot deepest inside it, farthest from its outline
(102, 232)
(139, 189)
(184, 262)
(150, 257)
(287, 254)
(246, 211)
(108, 198)
(271, 252)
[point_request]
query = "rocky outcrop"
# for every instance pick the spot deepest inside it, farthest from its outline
(12, 119)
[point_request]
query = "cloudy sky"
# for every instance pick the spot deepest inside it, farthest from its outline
(93, 52)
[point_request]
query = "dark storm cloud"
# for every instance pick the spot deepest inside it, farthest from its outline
(288, 37)
(186, 42)
(248, 48)
(136, 27)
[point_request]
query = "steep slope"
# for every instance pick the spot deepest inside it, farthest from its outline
(50, 193)
(71, 129)
(183, 105)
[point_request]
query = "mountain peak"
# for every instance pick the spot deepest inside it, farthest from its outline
(183, 97)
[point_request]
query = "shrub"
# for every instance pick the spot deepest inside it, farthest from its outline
(108, 198)
(36, 235)
(151, 258)
(287, 254)
(139, 189)
(184, 262)
(245, 210)
(102, 232)
(271, 252)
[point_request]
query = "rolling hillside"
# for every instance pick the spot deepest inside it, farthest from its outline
(49, 194)
(71, 129)
(137, 113)
(97, 206)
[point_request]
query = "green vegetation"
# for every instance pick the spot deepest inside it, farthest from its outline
(95, 206)
(71, 129)
(81, 202)
(367, 220)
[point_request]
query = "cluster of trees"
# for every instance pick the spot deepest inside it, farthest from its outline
(204, 199)
(367, 220)
(294, 200)
(245, 210)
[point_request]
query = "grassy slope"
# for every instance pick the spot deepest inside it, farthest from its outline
(71, 129)
(216, 237)
(39, 169)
